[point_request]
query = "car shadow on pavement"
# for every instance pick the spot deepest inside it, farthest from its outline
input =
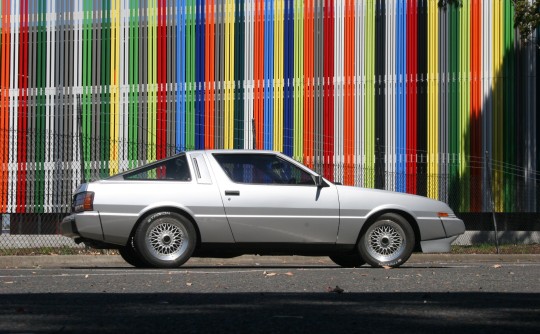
(270, 312)
(262, 267)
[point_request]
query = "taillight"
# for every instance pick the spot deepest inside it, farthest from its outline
(83, 202)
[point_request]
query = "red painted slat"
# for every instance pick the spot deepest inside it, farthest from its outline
(23, 107)
(4, 103)
(476, 101)
(308, 83)
(328, 133)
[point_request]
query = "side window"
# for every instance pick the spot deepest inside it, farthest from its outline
(262, 169)
(175, 169)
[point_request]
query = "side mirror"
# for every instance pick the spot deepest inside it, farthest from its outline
(319, 181)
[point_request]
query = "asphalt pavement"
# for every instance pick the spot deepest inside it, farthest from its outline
(444, 293)
(46, 261)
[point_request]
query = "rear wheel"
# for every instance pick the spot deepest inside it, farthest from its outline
(388, 241)
(130, 255)
(165, 239)
(352, 260)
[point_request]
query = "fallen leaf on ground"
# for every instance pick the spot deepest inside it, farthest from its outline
(337, 289)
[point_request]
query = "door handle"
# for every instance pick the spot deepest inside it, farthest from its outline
(232, 192)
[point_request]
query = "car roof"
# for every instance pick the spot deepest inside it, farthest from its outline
(235, 151)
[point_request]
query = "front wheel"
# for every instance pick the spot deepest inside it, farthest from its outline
(165, 239)
(387, 241)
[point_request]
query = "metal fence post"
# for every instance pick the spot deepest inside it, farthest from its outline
(490, 189)
(79, 121)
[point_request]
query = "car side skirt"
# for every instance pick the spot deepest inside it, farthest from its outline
(227, 250)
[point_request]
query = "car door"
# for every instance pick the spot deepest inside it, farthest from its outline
(268, 198)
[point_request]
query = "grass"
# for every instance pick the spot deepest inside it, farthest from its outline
(56, 251)
(503, 249)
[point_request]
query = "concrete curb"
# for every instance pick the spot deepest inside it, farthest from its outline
(103, 261)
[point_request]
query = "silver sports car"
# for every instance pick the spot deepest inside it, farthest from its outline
(225, 203)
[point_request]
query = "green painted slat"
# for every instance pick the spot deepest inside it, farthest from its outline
(369, 125)
(454, 106)
(133, 84)
(509, 152)
(86, 83)
(104, 94)
(464, 110)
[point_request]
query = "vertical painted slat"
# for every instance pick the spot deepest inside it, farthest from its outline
(23, 111)
(161, 80)
(475, 105)
(464, 97)
(443, 103)
(277, 77)
(348, 105)
(379, 117)
(13, 93)
(509, 121)
(389, 96)
(359, 127)
(248, 99)
(229, 66)
(54, 104)
(308, 84)
(421, 122)
(401, 95)
(328, 132)
(453, 111)
(114, 81)
(239, 75)
(180, 76)
(369, 102)
(432, 104)
(258, 73)
(487, 96)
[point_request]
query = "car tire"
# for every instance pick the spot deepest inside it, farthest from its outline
(165, 239)
(349, 260)
(387, 241)
(131, 256)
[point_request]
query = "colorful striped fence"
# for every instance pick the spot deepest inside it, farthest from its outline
(397, 94)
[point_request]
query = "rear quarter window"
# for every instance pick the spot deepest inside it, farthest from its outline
(174, 169)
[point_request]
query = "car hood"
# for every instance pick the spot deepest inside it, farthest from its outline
(362, 201)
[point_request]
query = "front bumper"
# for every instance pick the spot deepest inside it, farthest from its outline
(453, 227)
(438, 245)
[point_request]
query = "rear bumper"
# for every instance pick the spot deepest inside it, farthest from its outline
(69, 228)
(86, 225)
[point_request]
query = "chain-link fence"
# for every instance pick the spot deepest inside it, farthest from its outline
(489, 196)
